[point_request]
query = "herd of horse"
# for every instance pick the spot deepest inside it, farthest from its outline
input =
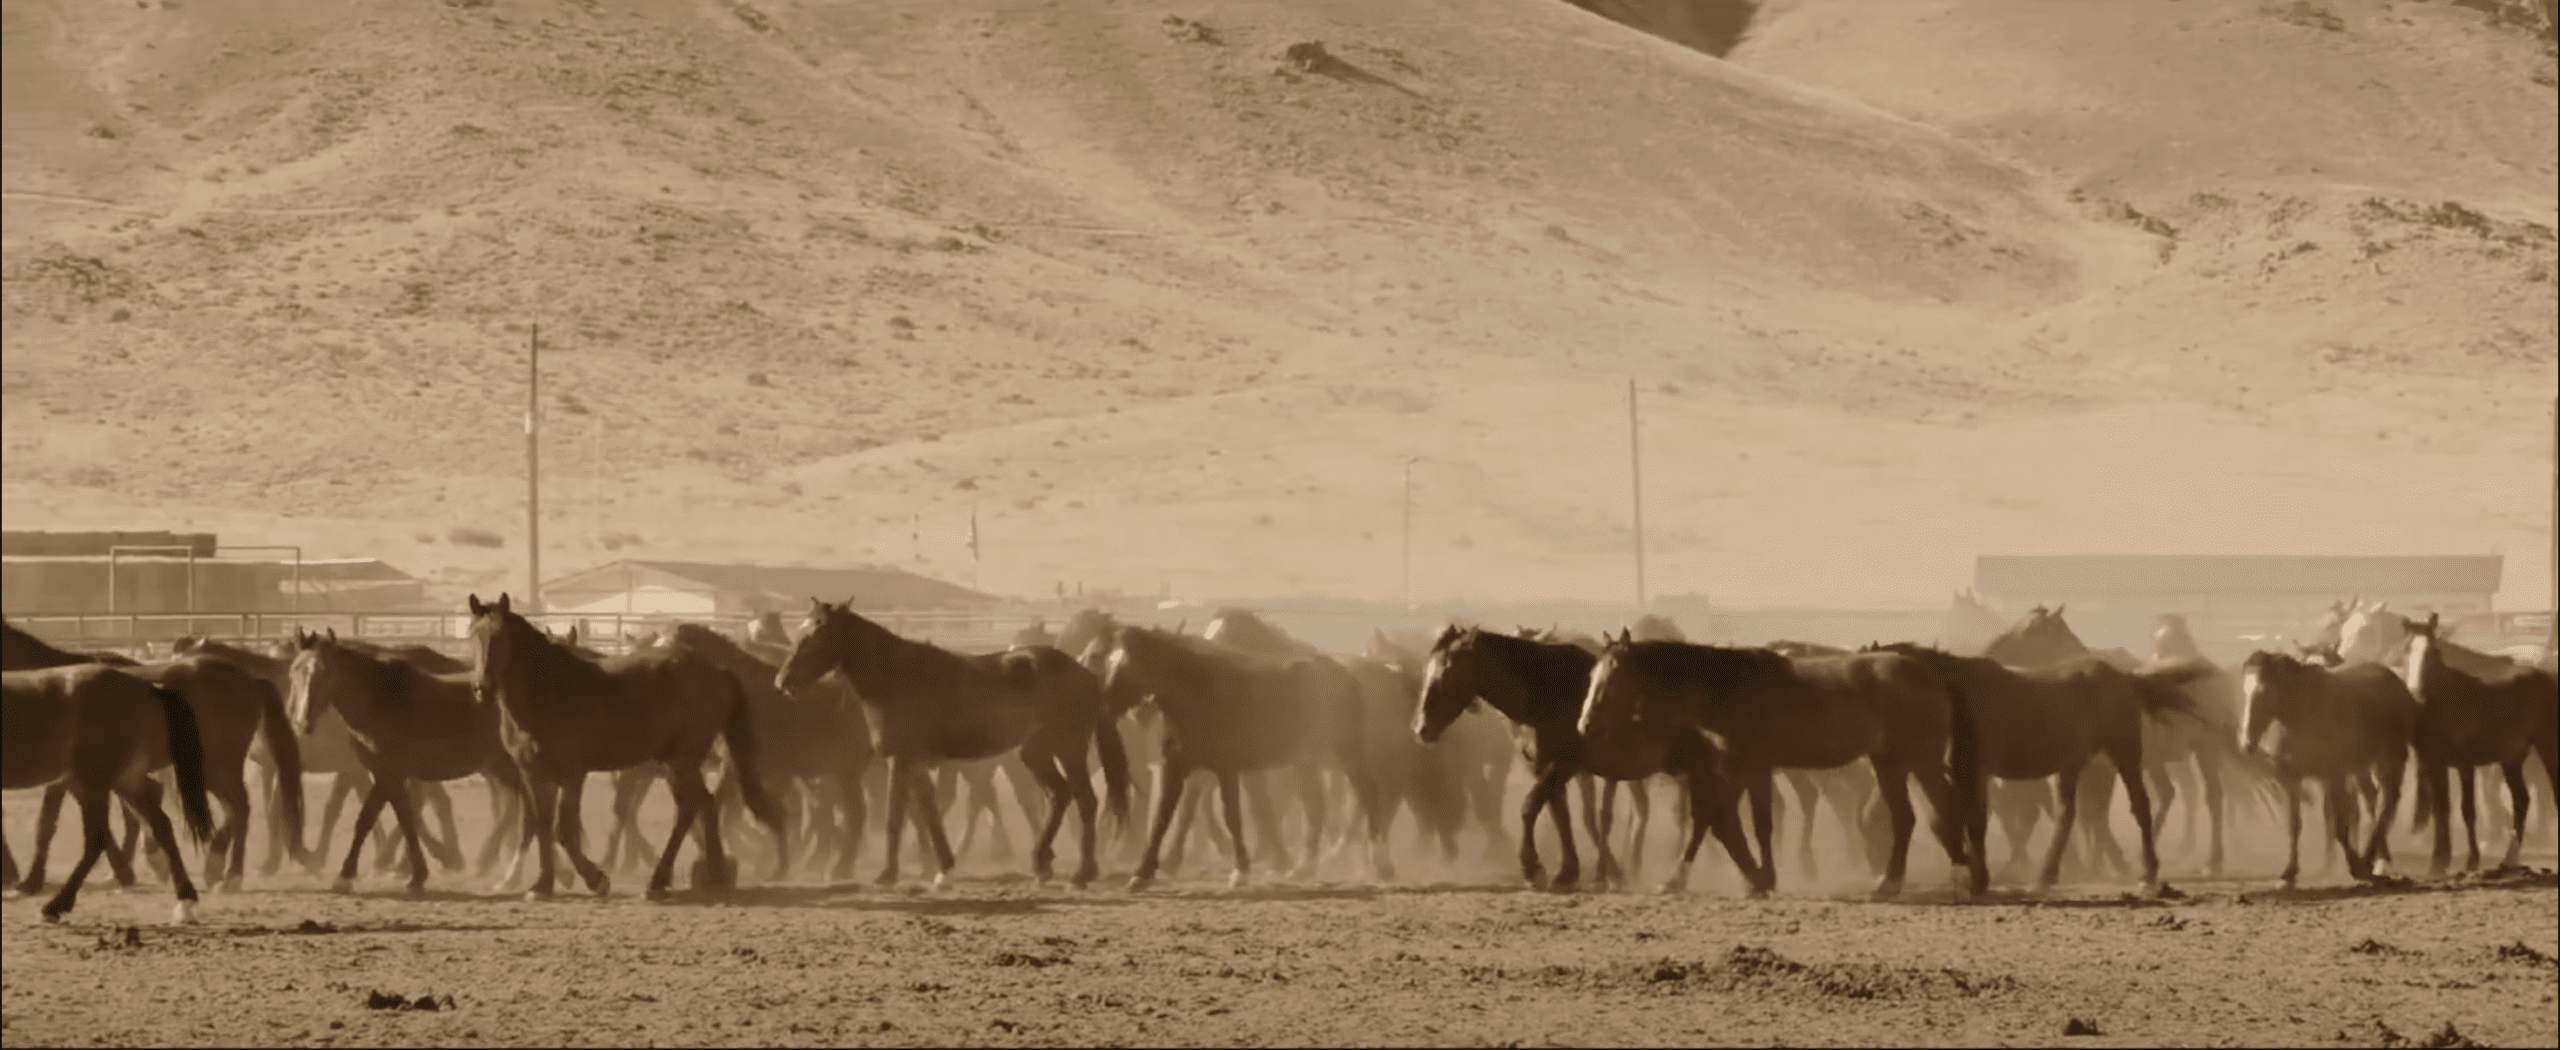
(802, 729)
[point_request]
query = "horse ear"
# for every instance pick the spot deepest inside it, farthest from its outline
(333, 635)
(573, 634)
(476, 607)
(504, 604)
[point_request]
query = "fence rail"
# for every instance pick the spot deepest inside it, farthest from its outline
(611, 633)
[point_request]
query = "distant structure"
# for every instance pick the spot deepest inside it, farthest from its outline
(96, 573)
(686, 588)
(2114, 596)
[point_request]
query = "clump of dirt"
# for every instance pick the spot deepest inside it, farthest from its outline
(1027, 959)
(426, 1003)
(1752, 968)
(2525, 953)
(2369, 946)
(2076, 1026)
(2441, 1039)
(122, 938)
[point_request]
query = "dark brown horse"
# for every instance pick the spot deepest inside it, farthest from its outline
(2050, 722)
(1539, 686)
(565, 715)
(404, 725)
(1772, 712)
(927, 705)
(1475, 751)
(2468, 719)
(1231, 712)
(2338, 726)
(103, 731)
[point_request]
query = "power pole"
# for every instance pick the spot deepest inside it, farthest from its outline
(1408, 531)
(533, 470)
(1635, 457)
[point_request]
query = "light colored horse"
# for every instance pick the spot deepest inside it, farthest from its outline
(2374, 634)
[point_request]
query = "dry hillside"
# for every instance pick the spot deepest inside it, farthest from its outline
(1170, 307)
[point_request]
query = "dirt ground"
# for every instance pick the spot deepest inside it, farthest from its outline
(1449, 956)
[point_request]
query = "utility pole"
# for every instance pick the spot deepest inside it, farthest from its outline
(533, 470)
(1408, 531)
(1635, 457)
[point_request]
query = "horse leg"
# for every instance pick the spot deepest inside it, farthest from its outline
(341, 786)
(1549, 782)
(573, 833)
(853, 807)
(1894, 784)
(2099, 830)
(2522, 803)
(1760, 787)
(930, 831)
(1311, 798)
(716, 871)
(48, 820)
(2208, 771)
(1170, 777)
(404, 804)
(1075, 778)
(1808, 798)
(2137, 794)
(1603, 820)
(93, 843)
(1697, 789)
(266, 787)
(2292, 830)
(1266, 820)
(1231, 808)
(1569, 856)
(1639, 825)
(684, 781)
(367, 812)
(448, 848)
(2470, 814)
(227, 860)
(2068, 791)
(2342, 810)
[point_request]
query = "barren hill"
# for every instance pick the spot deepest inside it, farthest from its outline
(1168, 294)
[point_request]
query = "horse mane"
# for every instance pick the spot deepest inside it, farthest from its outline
(721, 648)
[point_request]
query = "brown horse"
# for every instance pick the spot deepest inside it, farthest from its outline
(2198, 750)
(565, 715)
(325, 749)
(821, 738)
(233, 710)
(1231, 712)
(927, 704)
(2339, 725)
(101, 730)
(2469, 719)
(403, 725)
(2050, 722)
(1815, 713)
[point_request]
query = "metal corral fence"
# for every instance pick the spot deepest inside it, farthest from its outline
(136, 633)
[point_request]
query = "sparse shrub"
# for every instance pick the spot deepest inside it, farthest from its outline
(425, 538)
(758, 379)
(791, 488)
(614, 541)
(466, 536)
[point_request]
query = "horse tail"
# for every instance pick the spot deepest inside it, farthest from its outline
(746, 757)
(2163, 690)
(285, 746)
(186, 759)
(1115, 763)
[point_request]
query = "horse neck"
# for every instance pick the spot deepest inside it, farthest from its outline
(538, 658)
(894, 671)
(1535, 675)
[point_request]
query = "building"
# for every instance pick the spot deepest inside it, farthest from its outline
(147, 574)
(2112, 598)
(684, 588)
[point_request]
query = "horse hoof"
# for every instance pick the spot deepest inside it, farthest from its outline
(1886, 891)
(184, 914)
(537, 896)
(1565, 884)
(1670, 888)
(1386, 872)
(343, 885)
(1140, 882)
(1235, 880)
(659, 893)
(417, 889)
(51, 915)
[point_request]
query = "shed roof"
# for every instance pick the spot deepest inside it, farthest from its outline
(774, 586)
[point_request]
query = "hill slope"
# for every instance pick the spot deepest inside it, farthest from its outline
(1170, 307)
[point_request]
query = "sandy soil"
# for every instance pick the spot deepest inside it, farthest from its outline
(1455, 957)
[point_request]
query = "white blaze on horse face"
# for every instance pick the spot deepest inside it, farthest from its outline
(1431, 672)
(297, 694)
(1591, 696)
(2420, 647)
